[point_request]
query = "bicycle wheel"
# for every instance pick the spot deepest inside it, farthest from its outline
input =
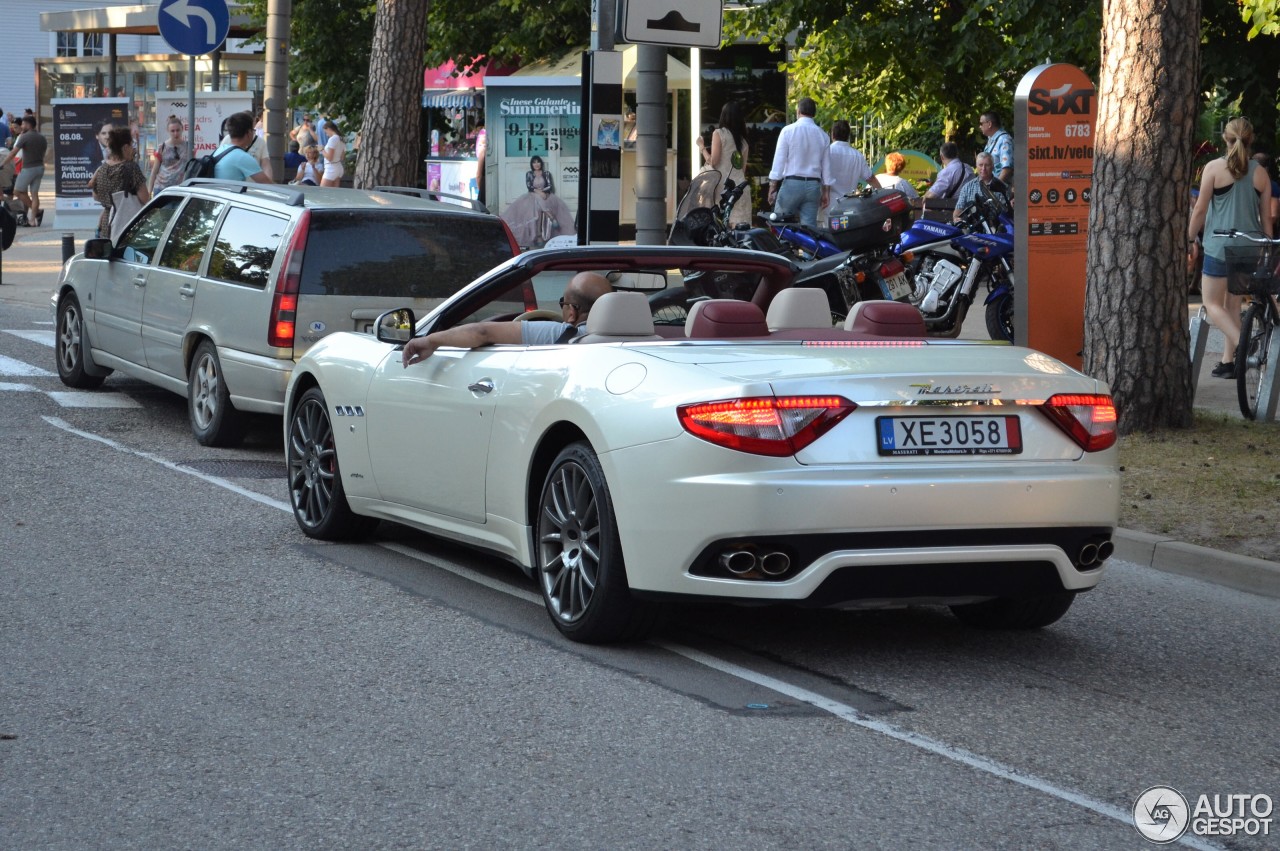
(1251, 356)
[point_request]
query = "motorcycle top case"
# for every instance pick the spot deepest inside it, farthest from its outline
(859, 222)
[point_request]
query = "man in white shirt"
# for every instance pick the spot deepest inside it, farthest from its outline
(848, 166)
(800, 180)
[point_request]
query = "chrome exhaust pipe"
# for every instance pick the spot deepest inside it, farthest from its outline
(1105, 549)
(1088, 555)
(775, 563)
(738, 562)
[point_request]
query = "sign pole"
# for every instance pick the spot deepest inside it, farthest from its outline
(191, 105)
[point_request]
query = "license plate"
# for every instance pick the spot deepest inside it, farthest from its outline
(897, 287)
(949, 435)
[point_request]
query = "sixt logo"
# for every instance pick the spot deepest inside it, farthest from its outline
(1061, 101)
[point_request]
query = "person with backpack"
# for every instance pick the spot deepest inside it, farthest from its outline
(232, 160)
(170, 158)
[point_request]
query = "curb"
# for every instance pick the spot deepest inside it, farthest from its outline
(1158, 552)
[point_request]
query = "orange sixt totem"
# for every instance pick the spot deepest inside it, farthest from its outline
(1054, 115)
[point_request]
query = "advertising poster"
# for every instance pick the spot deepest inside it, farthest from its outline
(1055, 111)
(76, 151)
(211, 109)
(535, 133)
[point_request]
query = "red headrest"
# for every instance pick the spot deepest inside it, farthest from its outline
(724, 317)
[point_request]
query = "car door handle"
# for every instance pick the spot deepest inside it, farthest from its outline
(140, 281)
(484, 385)
(187, 290)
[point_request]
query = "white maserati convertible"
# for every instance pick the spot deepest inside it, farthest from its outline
(692, 446)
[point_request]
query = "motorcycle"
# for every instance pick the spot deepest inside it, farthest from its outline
(863, 268)
(948, 262)
(803, 242)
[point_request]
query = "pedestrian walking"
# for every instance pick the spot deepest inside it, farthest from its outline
(800, 180)
(170, 158)
(32, 146)
(848, 165)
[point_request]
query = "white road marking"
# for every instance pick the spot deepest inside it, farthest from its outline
(12, 367)
(24, 388)
(164, 462)
(818, 701)
(79, 399)
(43, 337)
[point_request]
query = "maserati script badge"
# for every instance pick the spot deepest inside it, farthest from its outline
(932, 389)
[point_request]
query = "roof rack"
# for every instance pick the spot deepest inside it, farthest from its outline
(435, 195)
(294, 197)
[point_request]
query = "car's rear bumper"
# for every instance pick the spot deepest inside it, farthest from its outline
(861, 532)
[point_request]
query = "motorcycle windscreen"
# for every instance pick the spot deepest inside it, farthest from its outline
(702, 193)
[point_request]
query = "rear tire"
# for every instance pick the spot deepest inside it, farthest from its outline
(1015, 612)
(578, 555)
(1251, 357)
(315, 479)
(214, 421)
(1000, 318)
(69, 346)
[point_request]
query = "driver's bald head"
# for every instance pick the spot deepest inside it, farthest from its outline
(586, 287)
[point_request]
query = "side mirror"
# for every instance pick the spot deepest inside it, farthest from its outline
(395, 326)
(98, 249)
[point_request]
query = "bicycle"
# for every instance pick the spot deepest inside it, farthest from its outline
(1254, 270)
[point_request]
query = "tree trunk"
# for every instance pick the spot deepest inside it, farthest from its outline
(389, 142)
(1136, 301)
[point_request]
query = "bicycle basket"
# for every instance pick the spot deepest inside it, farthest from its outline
(1253, 269)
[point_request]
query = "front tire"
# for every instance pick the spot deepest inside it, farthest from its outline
(578, 555)
(1000, 318)
(315, 478)
(70, 346)
(1251, 357)
(1015, 612)
(214, 422)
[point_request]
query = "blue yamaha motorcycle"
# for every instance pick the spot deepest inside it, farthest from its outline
(950, 261)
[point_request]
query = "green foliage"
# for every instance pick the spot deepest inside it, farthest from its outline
(506, 31)
(329, 55)
(1263, 16)
(922, 62)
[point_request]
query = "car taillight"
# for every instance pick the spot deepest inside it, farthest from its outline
(1089, 419)
(284, 306)
(767, 425)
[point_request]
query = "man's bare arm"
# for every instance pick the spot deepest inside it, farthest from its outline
(463, 337)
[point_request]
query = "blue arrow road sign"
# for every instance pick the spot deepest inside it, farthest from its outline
(194, 27)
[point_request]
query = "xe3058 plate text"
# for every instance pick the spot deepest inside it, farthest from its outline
(949, 435)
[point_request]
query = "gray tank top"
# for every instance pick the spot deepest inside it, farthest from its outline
(1236, 208)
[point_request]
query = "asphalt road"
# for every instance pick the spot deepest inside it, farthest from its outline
(182, 668)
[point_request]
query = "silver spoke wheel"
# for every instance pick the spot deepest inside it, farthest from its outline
(69, 338)
(204, 389)
(312, 462)
(70, 345)
(569, 539)
(578, 555)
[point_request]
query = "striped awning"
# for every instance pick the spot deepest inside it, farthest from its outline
(449, 99)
